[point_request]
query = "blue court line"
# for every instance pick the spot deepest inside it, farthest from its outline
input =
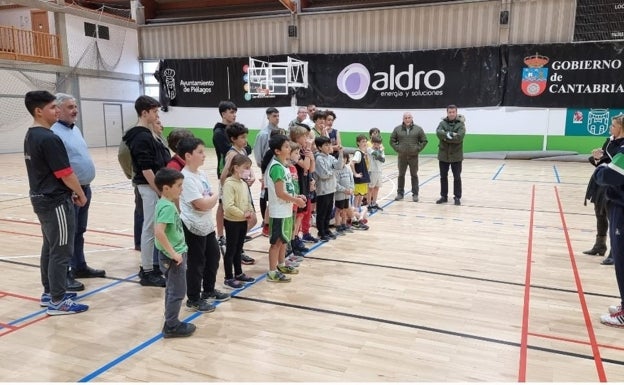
(157, 337)
(556, 173)
(40, 312)
(498, 171)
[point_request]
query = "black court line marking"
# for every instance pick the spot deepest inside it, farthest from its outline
(426, 328)
(451, 275)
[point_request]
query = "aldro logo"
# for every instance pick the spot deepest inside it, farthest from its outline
(355, 80)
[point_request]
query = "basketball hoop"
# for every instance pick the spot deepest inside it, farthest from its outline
(266, 78)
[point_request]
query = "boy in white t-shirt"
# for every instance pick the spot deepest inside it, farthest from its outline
(196, 203)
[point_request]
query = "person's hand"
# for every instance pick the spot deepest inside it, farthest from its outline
(349, 192)
(300, 202)
(597, 153)
(449, 135)
(79, 200)
(358, 175)
(177, 258)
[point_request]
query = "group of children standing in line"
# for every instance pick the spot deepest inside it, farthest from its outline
(298, 170)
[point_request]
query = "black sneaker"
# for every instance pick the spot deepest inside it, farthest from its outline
(457, 201)
(200, 305)
(184, 329)
(215, 295)
(331, 234)
(246, 259)
(300, 245)
(441, 200)
(153, 278)
(245, 278)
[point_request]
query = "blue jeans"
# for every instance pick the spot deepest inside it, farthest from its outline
(77, 261)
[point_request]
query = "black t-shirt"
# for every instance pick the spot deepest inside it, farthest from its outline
(46, 163)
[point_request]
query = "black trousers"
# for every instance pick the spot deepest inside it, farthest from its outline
(235, 233)
(324, 204)
(202, 263)
(456, 168)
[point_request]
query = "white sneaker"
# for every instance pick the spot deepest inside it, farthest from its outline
(615, 320)
(615, 309)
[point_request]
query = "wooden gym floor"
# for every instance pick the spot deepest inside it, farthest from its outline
(494, 290)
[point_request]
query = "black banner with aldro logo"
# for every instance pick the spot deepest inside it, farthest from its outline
(565, 75)
(599, 20)
(588, 75)
(419, 79)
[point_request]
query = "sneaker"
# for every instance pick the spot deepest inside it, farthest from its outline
(291, 263)
(415, 198)
(66, 306)
(308, 238)
(153, 278)
(277, 276)
(297, 253)
(233, 283)
(295, 258)
(457, 201)
(265, 230)
(608, 261)
(398, 197)
(200, 305)
(615, 309)
(248, 238)
(441, 200)
(184, 329)
(372, 208)
(245, 278)
(300, 245)
(615, 319)
(287, 269)
(215, 295)
(348, 229)
(46, 298)
(246, 259)
(325, 238)
(331, 234)
(340, 230)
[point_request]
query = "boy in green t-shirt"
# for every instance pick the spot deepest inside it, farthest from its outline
(172, 249)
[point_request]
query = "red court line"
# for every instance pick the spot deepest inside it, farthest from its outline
(5, 293)
(527, 289)
(7, 326)
(574, 341)
(579, 288)
(88, 230)
(16, 328)
(39, 236)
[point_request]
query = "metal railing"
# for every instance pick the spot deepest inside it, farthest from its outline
(25, 45)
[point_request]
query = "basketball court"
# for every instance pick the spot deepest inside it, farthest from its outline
(496, 289)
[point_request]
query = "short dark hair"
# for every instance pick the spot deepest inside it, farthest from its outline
(330, 113)
(145, 103)
(37, 99)
(376, 139)
(360, 138)
(277, 141)
(374, 129)
(235, 130)
(451, 107)
(271, 110)
(226, 105)
(187, 145)
(319, 114)
(175, 136)
(319, 141)
(167, 177)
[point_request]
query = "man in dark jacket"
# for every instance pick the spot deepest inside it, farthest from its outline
(149, 154)
(451, 132)
(408, 140)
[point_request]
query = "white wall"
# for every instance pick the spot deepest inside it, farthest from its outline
(94, 92)
(20, 18)
(119, 54)
(493, 120)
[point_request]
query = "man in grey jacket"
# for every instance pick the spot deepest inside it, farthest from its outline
(450, 132)
(408, 140)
